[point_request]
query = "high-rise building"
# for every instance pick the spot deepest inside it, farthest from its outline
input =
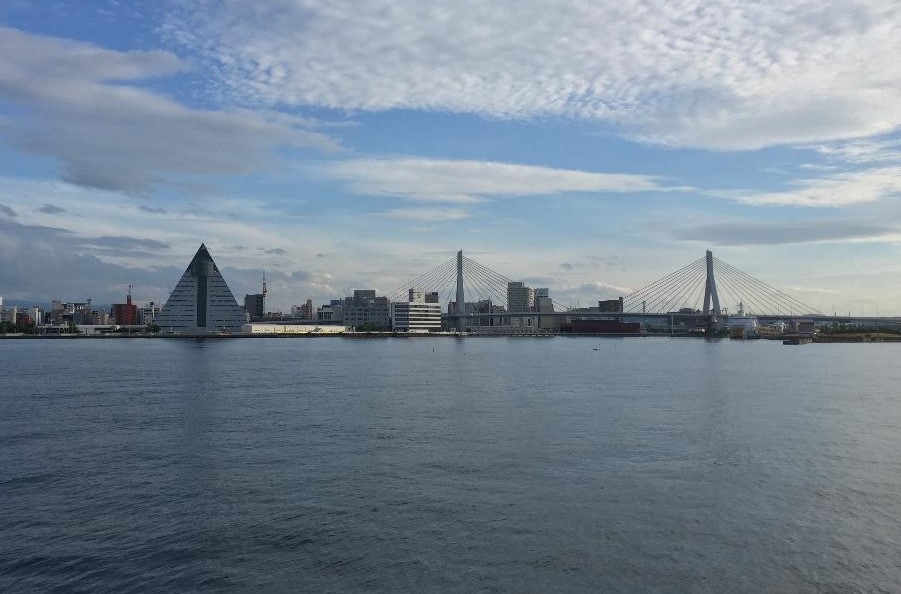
(201, 302)
(543, 301)
(304, 312)
(147, 315)
(125, 314)
(255, 306)
(519, 297)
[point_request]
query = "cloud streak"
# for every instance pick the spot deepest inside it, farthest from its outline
(775, 233)
(445, 180)
(841, 189)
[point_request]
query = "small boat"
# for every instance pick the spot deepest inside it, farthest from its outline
(797, 340)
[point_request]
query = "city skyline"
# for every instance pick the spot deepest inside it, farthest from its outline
(590, 149)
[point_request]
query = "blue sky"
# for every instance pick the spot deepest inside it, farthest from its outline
(588, 147)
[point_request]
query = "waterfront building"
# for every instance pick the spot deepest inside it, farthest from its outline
(56, 312)
(78, 313)
(520, 297)
(416, 315)
(125, 314)
(255, 306)
(292, 329)
(365, 309)
(148, 314)
(331, 312)
(611, 306)
(304, 312)
(543, 301)
(201, 301)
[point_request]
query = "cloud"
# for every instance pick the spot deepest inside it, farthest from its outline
(426, 214)
(51, 209)
(775, 233)
(566, 266)
(278, 251)
(81, 104)
(7, 211)
(125, 243)
(58, 254)
(723, 74)
(587, 294)
(152, 209)
(841, 189)
(443, 180)
(862, 151)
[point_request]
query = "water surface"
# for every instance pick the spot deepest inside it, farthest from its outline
(449, 465)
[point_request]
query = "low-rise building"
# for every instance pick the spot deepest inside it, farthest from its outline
(291, 329)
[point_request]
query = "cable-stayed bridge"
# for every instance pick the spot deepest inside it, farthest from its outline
(706, 284)
(706, 289)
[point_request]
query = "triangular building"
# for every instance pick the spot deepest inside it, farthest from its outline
(201, 302)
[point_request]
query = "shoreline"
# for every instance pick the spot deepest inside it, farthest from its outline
(821, 339)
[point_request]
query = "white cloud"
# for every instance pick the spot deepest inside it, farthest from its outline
(781, 233)
(427, 214)
(444, 180)
(76, 107)
(709, 73)
(862, 151)
(841, 189)
(587, 294)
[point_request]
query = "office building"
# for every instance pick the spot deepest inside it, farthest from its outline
(366, 310)
(416, 315)
(520, 297)
(255, 306)
(125, 314)
(201, 302)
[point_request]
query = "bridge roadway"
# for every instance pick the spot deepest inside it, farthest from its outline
(675, 317)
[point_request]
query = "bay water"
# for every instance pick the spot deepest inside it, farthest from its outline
(449, 465)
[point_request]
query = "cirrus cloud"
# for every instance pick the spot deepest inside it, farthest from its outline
(725, 74)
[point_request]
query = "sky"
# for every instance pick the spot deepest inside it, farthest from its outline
(589, 147)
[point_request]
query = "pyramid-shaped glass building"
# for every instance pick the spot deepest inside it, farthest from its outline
(201, 302)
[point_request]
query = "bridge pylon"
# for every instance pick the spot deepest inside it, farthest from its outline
(461, 302)
(710, 295)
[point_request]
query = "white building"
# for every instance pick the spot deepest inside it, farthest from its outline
(416, 315)
(285, 329)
